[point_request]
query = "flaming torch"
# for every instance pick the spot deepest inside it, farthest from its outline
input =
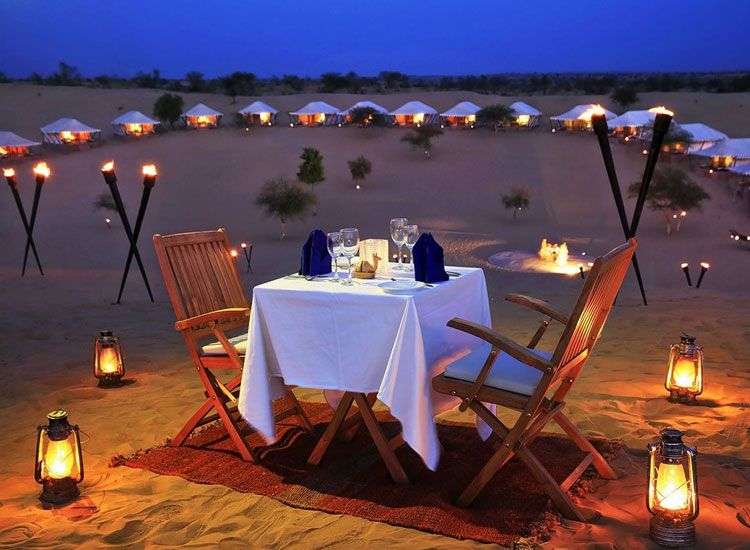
(41, 173)
(10, 177)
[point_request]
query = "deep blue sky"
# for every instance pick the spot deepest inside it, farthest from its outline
(418, 37)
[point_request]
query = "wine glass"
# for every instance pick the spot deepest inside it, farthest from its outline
(333, 241)
(411, 235)
(398, 236)
(349, 248)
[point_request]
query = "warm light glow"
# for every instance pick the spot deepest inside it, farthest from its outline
(523, 120)
(107, 221)
(3, 151)
(661, 110)
(41, 169)
(108, 166)
(243, 245)
(135, 128)
(591, 111)
(683, 265)
(684, 373)
(683, 214)
(671, 488)
(264, 117)
(59, 459)
(67, 136)
(645, 151)
(705, 265)
(9, 172)
(418, 118)
(551, 252)
(109, 360)
(149, 170)
(233, 253)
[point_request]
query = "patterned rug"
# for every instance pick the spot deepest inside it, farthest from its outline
(351, 478)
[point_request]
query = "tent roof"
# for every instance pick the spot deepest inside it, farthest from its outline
(413, 108)
(576, 112)
(201, 110)
(700, 132)
(465, 108)
(521, 108)
(257, 107)
(632, 118)
(9, 139)
(364, 104)
(733, 147)
(134, 117)
(742, 169)
(315, 107)
(67, 125)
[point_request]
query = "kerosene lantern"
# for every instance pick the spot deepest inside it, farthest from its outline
(59, 462)
(685, 370)
(672, 490)
(109, 367)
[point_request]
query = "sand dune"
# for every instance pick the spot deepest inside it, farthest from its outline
(210, 178)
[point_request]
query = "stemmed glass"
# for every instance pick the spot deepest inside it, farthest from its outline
(349, 249)
(411, 236)
(333, 240)
(398, 236)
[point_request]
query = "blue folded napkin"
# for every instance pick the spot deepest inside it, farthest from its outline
(315, 257)
(429, 263)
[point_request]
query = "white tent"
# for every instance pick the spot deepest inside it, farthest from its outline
(69, 130)
(259, 113)
(414, 112)
(579, 116)
(365, 105)
(315, 113)
(727, 153)
(134, 123)
(632, 119)
(741, 169)
(461, 114)
(701, 136)
(13, 144)
(525, 114)
(201, 116)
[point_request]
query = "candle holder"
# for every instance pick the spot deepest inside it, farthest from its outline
(10, 177)
(704, 268)
(110, 178)
(149, 180)
(686, 270)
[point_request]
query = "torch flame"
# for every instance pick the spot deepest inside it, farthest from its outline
(41, 169)
(233, 253)
(661, 110)
(108, 166)
(9, 172)
(149, 170)
(705, 265)
(683, 265)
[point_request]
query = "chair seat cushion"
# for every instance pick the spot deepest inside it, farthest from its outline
(507, 373)
(215, 348)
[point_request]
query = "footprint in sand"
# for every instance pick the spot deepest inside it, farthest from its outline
(133, 531)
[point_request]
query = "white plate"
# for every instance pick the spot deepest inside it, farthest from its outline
(401, 286)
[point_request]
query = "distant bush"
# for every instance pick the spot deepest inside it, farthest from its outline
(367, 116)
(238, 83)
(421, 138)
(624, 96)
(517, 200)
(495, 116)
(168, 108)
(285, 201)
(196, 82)
(359, 168)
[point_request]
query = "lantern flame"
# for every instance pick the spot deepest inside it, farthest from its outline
(59, 459)
(149, 170)
(41, 169)
(9, 172)
(672, 488)
(108, 166)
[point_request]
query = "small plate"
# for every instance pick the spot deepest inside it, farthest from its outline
(401, 286)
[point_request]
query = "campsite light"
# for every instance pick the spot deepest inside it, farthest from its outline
(233, 253)
(58, 465)
(41, 171)
(553, 130)
(710, 170)
(672, 490)
(686, 270)
(685, 369)
(108, 171)
(644, 152)
(704, 268)
(108, 222)
(10, 175)
(108, 364)
(149, 174)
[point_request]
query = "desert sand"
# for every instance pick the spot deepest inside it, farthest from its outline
(210, 178)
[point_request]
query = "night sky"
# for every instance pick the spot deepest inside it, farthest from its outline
(419, 37)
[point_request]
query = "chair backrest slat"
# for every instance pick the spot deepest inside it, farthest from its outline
(199, 272)
(602, 284)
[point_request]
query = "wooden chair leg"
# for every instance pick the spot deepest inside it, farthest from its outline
(330, 432)
(300, 412)
(384, 449)
(497, 461)
(560, 498)
(599, 462)
(231, 429)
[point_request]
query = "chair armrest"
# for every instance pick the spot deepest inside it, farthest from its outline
(538, 305)
(218, 316)
(515, 350)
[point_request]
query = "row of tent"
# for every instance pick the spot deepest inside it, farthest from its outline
(699, 139)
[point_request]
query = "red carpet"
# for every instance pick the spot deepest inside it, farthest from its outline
(352, 480)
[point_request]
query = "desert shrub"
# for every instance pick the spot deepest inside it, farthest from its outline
(360, 167)
(421, 138)
(285, 201)
(168, 108)
(517, 199)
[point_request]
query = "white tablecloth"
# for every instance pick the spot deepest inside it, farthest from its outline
(319, 334)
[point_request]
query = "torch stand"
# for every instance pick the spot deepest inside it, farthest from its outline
(147, 186)
(22, 213)
(32, 222)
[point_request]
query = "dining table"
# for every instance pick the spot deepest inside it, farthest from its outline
(316, 332)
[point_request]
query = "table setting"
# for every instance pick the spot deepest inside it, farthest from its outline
(374, 327)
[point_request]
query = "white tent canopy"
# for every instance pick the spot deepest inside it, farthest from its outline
(737, 148)
(64, 130)
(365, 105)
(463, 109)
(9, 139)
(201, 110)
(256, 108)
(701, 133)
(741, 169)
(521, 108)
(134, 117)
(632, 119)
(414, 108)
(316, 107)
(582, 112)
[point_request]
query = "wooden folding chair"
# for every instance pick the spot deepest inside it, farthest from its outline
(208, 300)
(522, 377)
